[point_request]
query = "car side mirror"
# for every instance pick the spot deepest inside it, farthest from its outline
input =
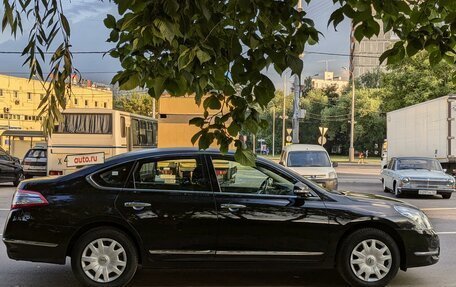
(302, 190)
(16, 160)
(444, 170)
(335, 164)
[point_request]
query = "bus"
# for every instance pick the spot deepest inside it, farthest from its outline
(89, 136)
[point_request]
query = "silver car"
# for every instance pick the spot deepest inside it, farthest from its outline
(417, 175)
(35, 162)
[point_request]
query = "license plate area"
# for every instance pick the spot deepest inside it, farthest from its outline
(427, 192)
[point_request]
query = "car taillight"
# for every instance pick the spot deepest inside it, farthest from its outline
(55, 172)
(27, 198)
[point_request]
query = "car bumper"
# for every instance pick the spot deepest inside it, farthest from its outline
(415, 190)
(327, 183)
(25, 240)
(35, 172)
(422, 248)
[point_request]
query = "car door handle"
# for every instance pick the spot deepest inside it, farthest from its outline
(136, 205)
(232, 207)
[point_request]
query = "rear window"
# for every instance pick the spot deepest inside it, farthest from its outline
(308, 159)
(37, 153)
(113, 177)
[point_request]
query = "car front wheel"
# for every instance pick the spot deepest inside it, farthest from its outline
(368, 257)
(104, 257)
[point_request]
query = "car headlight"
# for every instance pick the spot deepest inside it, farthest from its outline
(419, 219)
(450, 181)
(405, 180)
(332, 175)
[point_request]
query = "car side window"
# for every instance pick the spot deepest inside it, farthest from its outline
(185, 174)
(113, 177)
(390, 164)
(236, 178)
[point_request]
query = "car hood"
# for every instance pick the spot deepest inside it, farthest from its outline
(422, 173)
(320, 172)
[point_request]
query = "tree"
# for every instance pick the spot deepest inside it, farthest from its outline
(206, 47)
(414, 80)
(135, 103)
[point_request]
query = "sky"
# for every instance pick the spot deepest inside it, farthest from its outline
(89, 34)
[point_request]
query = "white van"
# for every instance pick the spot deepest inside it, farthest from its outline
(312, 162)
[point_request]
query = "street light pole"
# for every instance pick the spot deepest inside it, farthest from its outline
(273, 130)
(351, 150)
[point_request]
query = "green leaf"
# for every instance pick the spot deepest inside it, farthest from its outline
(131, 83)
(234, 129)
(202, 56)
(199, 122)
(212, 103)
(245, 157)
(435, 58)
(110, 22)
(295, 64)
(185, 58)
(251, 125)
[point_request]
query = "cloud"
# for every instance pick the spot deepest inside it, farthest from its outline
(80, 11)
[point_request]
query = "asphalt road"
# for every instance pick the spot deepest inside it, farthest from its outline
(351, 177)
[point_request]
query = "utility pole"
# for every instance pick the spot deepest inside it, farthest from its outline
(273, 130)
(295, 122)
(297, 94)
(283, 111)
(351, 150)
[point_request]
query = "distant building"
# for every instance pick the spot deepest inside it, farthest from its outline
(20, 98)
(328, 81)
(365, 54)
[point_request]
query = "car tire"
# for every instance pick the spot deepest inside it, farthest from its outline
(354, 268)
(19, 178)
(112, 267)
(385, 189)
(397, 193)
(446, 195)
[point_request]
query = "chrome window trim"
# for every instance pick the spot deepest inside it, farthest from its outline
(33, 243)
(182, 252)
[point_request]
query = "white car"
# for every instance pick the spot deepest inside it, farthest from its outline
(312, 162)
(417, 175)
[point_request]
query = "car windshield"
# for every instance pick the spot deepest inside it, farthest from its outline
(36, 153)
(308, 159)
(428, 164)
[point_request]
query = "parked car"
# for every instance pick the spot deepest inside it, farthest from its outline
(312, 162)
(35, 162)
(183, 207)
(10, 168)
(417, 175)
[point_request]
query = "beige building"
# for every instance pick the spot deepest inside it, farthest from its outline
(328, 81)
(175, 113)
(19, 101)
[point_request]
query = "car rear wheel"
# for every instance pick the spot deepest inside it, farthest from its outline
(368, 257)
(104, 257)
(446, 195)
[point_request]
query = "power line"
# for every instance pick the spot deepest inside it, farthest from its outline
(104, 52)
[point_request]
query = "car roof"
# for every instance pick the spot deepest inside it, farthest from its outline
(304, 147)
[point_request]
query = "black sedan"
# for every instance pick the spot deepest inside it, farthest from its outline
(182, 207)
(10, 169)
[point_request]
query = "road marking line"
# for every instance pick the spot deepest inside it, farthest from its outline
(438, 208)
(4, 209)
(446, 232)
